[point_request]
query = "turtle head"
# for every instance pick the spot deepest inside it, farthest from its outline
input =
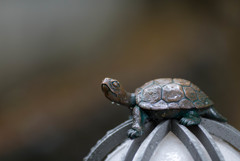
(115, 93)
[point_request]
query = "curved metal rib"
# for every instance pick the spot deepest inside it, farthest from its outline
(137, 142)
(142, 148)
(208, 142)
(190, 141)
(145, 152)
(159, 133)
(109, 142)
(223, 131)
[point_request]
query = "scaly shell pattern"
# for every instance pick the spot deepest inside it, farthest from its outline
(168, 93)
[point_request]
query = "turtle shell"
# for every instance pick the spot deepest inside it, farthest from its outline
(168, 93)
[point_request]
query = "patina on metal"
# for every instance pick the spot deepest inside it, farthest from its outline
(161, 99)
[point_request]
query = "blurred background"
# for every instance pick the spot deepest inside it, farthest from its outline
(54, 55)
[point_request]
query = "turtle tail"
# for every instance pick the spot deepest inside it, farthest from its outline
(212, 113)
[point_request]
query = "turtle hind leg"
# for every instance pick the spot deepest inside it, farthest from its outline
(190, 118)
(212, 113)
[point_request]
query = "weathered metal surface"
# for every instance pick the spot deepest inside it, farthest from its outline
(137, 142)
(223, 131)
(112, 139)
(155, 95)
(172, 92)
(173, 105)
(190, 141)
(168, 98)
(185, 104)
(196, 88)
(197, 140)
(115, 92)
(208, 142)
(190, 93)
(163, 81)
(151, 94)
(156, 137)
(182, 82)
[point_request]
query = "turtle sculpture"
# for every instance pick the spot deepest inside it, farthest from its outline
(163, 98)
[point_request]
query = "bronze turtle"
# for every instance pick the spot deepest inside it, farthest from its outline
(164, 98)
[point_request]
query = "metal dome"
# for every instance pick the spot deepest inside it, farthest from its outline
(200, 141)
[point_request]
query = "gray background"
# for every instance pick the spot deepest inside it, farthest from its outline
(54, 55)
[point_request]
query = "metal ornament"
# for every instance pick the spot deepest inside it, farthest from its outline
(195, 138)
(162, 99)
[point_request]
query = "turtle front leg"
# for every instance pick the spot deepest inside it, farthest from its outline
(190, 118)
(136, 129)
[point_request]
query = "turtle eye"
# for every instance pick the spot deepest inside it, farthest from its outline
(115, 84)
